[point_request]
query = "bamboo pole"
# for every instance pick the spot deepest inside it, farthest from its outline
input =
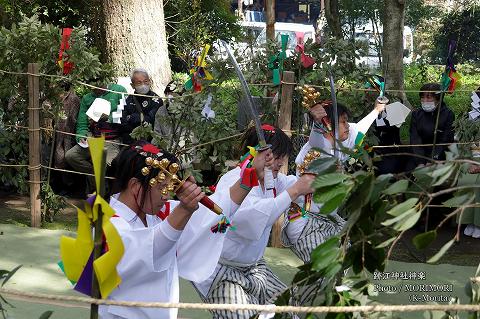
(98, 239)
(34, 143)
(285, 123)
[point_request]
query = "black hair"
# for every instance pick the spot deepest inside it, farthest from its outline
(341, 110)
(129, 163)
(430, 88)
(280, 142)
(66, 85)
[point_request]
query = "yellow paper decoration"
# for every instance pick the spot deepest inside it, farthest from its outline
(252, 151)
(75, 252)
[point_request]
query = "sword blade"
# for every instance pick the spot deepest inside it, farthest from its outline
(251, 105)
(335, 114)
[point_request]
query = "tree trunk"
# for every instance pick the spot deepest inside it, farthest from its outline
(332, 13)
(135, 37)
(393, 24)
(97, 25)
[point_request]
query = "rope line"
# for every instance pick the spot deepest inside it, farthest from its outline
(75, 172)
(62, 132)
(235, 307)
(13, 165)
(239, 134)
(96, 87)
(341, 88)
(196, 93)
(186, 150)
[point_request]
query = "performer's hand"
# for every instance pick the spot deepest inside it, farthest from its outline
(189, 195)
(103, 118)
(262, 160)
(302, 186)
(318, 112)
(379, 107)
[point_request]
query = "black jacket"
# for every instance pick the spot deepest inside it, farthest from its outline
(422, 132)
(131, 117)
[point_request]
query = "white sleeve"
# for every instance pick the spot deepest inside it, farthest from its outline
(198, 249)
(366, 122)
(222, 193)
(139, 248)
(164, 238)
(257, 213)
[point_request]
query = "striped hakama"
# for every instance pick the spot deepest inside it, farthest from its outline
(316, 230)
(236, 284)
(242, 276)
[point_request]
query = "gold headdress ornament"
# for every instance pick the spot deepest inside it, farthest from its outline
(167, 170)
(310, 96)
(309, 158)
(302, 169)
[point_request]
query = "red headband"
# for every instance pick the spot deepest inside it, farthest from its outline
(148, 150)
(268, 128)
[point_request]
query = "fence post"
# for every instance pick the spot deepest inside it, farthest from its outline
(285, 123)
(34, 143)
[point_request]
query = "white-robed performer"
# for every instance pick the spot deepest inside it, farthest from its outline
(159, 248)
(242, 276)
(302, 235)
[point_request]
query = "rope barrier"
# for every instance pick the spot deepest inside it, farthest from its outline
(210, 142)
(196, 93)
(96, 87)
(239, 134)
(62, 132)
(236, 307)
(341, 88)
(74, 172)
(13, 165)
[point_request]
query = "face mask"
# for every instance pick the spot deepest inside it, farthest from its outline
(142, 89)
(428, 106)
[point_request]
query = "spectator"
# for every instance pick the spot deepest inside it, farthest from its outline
(386, 134)
(78, 157)
(64, 142)
(141, 110)
(423, 122)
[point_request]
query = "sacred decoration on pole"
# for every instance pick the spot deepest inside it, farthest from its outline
(276, 61)
(199, 72)
(306, 60)
(90, 262)
(448, 82)
(63, 58)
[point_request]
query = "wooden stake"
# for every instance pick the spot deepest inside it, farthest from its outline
(270, 8)
(98, 239)
(240, 9)
(34, 144)
(285, 123)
